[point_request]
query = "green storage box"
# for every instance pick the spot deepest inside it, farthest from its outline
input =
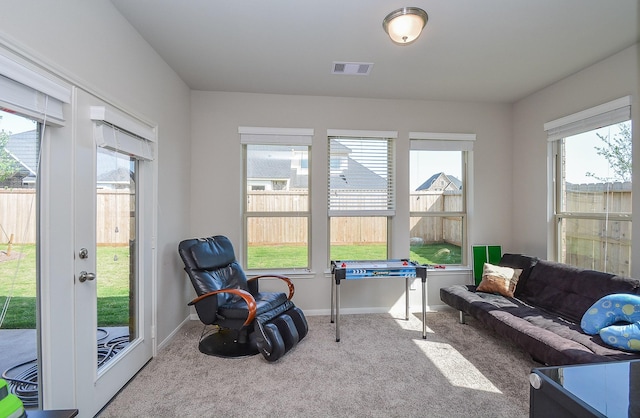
(484, 254)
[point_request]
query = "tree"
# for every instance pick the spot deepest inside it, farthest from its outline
(617, 152)
(8, 165)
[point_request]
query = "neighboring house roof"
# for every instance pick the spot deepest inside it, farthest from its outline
(452, 180)
(118, 176)
(299, 181)
(24, 148)
(275, 169)
(271, 166)
(268, 168)
(356, 176)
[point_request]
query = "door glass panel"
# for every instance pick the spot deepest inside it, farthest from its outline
(19, 158)
(116, 253)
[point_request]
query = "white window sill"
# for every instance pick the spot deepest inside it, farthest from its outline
(290, 273)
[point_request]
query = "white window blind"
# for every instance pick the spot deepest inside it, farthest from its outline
(275, 136)
(27, 91)
(116, 131)
(361, 173)
(596, 117)
(430, 141)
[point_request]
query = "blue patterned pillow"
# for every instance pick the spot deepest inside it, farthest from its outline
(616, 318)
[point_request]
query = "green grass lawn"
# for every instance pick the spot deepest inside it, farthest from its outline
(113, 275)
(273, 256)
(112, 287)
(436, 254)
(359, 252)
(294, 256)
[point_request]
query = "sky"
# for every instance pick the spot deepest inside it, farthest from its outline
(424, 164)
(582, 156)
(107, 160)
(580, 150)
(15, 124)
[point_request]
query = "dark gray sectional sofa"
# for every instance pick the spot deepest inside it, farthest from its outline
(544, 315)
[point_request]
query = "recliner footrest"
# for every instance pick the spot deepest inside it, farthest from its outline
(275, 336)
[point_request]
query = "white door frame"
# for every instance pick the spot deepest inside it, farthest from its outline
(94, 388)
(56, 351)
(59, 343)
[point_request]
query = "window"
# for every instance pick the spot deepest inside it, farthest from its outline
(20, 141)
(125, 148)
(31, 105)
(592, 200)
(438, 197)
(361, 194)
(276, 197)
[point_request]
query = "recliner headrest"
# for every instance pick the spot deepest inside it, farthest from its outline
(212, 253)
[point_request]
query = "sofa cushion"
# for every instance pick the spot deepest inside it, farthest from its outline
(569, 291)
(519, 261)
(548, 338)
(499, 279)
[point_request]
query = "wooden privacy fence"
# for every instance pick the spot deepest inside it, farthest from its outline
(587, 243)
(345, 230)
(283, 230)
(18, 216)
(597, 244)
(436, 229)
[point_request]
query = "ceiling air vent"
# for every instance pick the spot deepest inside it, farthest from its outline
(352, 68)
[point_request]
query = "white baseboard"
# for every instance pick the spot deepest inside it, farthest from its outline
(174, 332)
(345, 311)
(369, 310)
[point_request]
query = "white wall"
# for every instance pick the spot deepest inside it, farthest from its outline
(607, 80)
(90, 43)
(216, 174)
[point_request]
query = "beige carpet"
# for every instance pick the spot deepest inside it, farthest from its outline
(381, 368)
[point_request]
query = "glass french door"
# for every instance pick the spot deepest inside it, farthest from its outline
(19, 161)
(113, 224)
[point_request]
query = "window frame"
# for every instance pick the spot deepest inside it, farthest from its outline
(275, 137)
(457, 142)
(387, 212)
(604, 115)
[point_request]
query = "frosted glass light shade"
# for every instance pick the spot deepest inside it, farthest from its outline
(405, 25)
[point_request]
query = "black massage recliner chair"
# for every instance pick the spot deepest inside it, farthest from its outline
(247, 321)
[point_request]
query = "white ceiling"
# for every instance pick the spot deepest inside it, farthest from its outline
(471, 50)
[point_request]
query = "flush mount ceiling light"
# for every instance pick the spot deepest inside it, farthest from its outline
(405, 25)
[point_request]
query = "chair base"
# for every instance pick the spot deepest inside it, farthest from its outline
(224, 343)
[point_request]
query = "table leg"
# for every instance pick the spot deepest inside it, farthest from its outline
(333, 301)
(338, 312)
(424, 309)
(406, 296)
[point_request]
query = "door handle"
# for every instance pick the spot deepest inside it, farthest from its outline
(84, 276)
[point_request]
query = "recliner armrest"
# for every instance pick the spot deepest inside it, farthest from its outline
(246, 296)
(278, 276)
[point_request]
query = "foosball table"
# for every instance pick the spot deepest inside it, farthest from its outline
(376, 269)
